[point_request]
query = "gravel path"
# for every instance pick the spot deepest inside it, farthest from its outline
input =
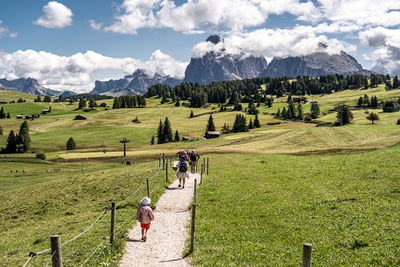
(168, 232)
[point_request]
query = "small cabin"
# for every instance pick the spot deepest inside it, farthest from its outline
(80, 117)
(3, 102)
(212, 134)
(28, 117)
(20, 116)
(185, 138)
(45, 111)
(299, 99)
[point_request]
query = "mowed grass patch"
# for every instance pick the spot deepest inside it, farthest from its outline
(66, 204)
(257, 210)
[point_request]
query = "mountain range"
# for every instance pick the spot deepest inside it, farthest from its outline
(212, 66)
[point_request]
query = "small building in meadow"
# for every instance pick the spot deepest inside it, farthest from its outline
(19, 116)
(45, 111)
(299, 99)
(212, 134)
(28, 117)
(80, 117)
(185, 138)
(3, 102)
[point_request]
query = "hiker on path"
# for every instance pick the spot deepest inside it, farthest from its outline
(145, 216)
(182, 172)
(194, 157)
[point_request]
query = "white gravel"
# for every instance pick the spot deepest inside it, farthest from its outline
(168, 232)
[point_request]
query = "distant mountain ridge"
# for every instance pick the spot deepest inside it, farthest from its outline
(136, 83)
(27, 85)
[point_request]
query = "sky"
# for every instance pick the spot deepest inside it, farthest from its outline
(69, 44)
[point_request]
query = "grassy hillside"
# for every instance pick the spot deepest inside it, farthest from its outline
(256, 209)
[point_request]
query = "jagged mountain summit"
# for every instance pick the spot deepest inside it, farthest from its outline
(221, 66)
(133, 84)
(29, 86)
(314, 65)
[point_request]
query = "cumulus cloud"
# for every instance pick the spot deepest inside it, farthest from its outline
(75, 72)
(55, 15)
(94, 25)
(197, 16)
(5, 32)
(298, 41)
(386, 48)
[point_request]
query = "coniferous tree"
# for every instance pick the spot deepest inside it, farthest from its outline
(47, 99)
(160, 133)
(374, 102)
(191, 114)
(2, 113)
(315, 112)
(178, 103)
(291, 111)
(11, 143)
(240, 124)
(257, 122)
(8, 115)
(396, 82)
(210, 125)
(167, 131)
(278, 114)
(82, 103)
(398, 122)
(152, 140)
(71, 144)
(177, 137)
(251, 125)
(360, 101)
(164, 99)
(300, 115)
(283, 113)
(92, 104)
(344, 115)
(23, 136)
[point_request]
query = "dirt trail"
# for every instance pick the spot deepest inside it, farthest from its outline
(168, 232)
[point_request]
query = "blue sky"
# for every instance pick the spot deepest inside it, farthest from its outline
(67, 45)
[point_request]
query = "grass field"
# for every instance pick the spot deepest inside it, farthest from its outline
(258, 209)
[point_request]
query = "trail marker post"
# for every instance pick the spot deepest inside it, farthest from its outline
(307, 251)
(124, 141)
(148, 188)
(113, 211)
(56, 250)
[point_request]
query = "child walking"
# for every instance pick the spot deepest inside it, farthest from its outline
(145, 216)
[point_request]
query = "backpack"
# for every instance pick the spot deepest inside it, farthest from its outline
(193, 157)
(183, 166)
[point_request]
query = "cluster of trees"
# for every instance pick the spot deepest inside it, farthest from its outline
(82, 103)
(129, 101)
(364, 101)
(247, 90)
(394, 85)
(164, 133)
(20, 142)
(3, 114)
(291, 112)
(344, 115)
(391, 106)
(46, 98)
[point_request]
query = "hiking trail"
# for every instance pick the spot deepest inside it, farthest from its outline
(168, 232)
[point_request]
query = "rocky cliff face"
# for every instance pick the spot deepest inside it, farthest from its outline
(314, 65)
(220, 66)
(29, 86)
(136, 83)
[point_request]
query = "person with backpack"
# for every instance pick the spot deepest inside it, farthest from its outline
(194, 157)
(182, 172)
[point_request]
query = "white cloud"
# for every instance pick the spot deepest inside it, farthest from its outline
(55, 15)
(386, 49)
(197, 16)
(75, 72)
(94, 25)
(298, 41)
(362, 12)
(5, 32)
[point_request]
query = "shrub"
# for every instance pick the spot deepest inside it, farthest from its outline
(41, 155)
(398, 122)
(71, 144)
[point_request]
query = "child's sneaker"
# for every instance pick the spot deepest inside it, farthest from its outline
(144, 238)
(179, 185)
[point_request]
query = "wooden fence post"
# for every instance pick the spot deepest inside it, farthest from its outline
(307, 249)
(201, 174)
(163, 161)
(56, 250)
(195, 192)
(193, 227)
(113, 211)
(208, 159)
(166, 173)
(148, 188)
(159, 160)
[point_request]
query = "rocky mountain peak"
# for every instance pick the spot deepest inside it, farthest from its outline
(215, 39)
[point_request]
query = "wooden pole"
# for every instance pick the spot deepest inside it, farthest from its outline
(159, 160)
(208, 159)
(204, 161)
(113, 211)
(56, 250)
(163, 161)
(201, 174)
(195, 192)
(166, 173)
(193, 227)
(307, 249)
(148, 188)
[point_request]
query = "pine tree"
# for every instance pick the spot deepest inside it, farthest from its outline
(344, 115)
(152, 140)
(315, 112)
(374, 102)
(257, 122)
(11, 143)
(167, 131)
(300, 115)
(164, 99)
(8, 115)
(2, 113)
(396, 82)
(24, 138)
(278, 114)
(160, 133)
(92, 104)
(251, 126)
(283, 113)
(210, 125)
(178, 103)
(291, 111)
(177, 137)
(82, 103)
(191, 114)
(71, 144)
(360, 101)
